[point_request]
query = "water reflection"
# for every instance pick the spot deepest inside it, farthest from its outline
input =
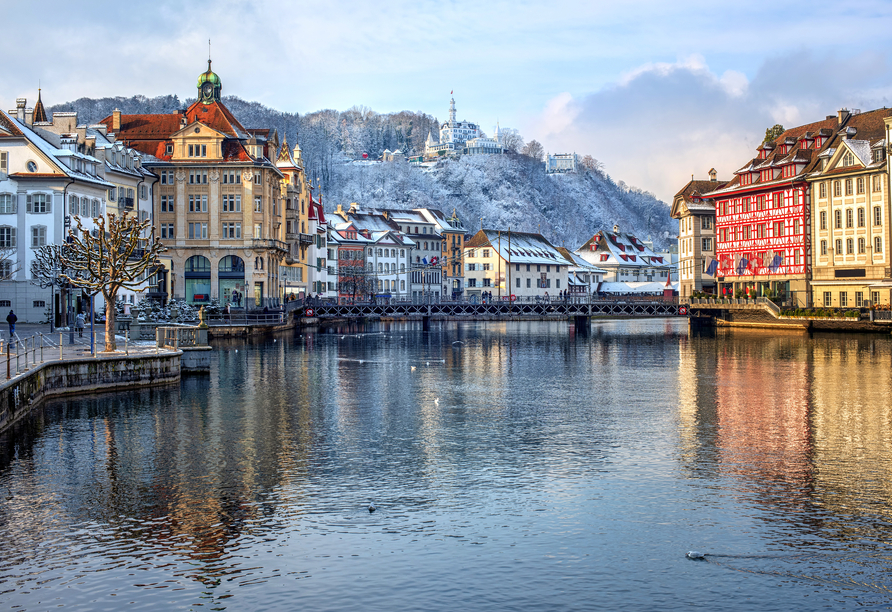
(531, 465)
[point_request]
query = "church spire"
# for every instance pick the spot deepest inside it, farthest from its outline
(39, 114)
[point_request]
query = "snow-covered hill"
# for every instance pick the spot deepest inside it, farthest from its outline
(502, 191)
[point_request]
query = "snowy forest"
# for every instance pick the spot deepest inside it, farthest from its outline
(498, 191)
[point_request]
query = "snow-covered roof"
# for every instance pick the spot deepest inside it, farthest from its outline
(614, 248)
(56, 154)
(518, 247)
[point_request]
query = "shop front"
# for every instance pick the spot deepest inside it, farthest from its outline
(231, 280)
(197, 275)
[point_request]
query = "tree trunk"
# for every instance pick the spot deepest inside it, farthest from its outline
(110, 345)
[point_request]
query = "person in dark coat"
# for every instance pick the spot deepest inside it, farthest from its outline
(11, 319)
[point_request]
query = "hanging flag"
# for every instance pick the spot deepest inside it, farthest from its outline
(712, 267)
(424, 260)
(775, 263)
(742, 265)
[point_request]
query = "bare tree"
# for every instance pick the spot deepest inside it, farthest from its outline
(533, 149)
(511, 140)
(8, 264)
(113, 257)
(590, 163)
(46, 270)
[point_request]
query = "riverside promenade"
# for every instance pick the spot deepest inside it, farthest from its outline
(36, 366)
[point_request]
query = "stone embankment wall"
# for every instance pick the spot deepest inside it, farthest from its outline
(75, 376)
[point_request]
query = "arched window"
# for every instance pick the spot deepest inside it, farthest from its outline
(371, 252)
(848, 186)
(380, 267)
(861, 219)
(836, 191)
(837, 219)
(860, 184)
(823, 190)
(258, 263)
(861, 246)
(402, 285)
(838, 245)
(850, 246)
(877, 245)
(849, 218)
(402, 253)
(379, 252)
(402, 267)
(231, 263)
(198, 263)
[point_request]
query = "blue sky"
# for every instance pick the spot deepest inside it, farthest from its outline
(655, 90)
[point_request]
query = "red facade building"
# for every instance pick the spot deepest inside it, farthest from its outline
(763, 217)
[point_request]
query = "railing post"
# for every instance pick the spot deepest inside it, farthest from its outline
(8, 358)
(127, 342)
(41, 348)
(60, 347)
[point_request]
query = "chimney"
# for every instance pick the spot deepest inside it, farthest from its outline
(616, 229)
(29, 116)
(116, 121)
(842, 116)
(353, 207)
(20, 109)
(712, 175)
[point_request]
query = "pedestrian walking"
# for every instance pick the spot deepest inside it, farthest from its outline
(79, 323)
(11, 319)
(228, 315)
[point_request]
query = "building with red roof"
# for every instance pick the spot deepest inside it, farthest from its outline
(218, 205)
(763, 216)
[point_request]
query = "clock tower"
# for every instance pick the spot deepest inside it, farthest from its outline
(209, 86)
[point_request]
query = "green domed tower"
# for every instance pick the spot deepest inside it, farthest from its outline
(209, 86)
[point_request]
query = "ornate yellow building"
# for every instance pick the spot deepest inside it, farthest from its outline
(851, 228)
(217, 205)
(297, 194)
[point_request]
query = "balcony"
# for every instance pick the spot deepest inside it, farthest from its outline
(307, 238)
(268, 243)
(125, 202)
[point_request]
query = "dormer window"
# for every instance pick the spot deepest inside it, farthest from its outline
(848, 159)
(877, 155)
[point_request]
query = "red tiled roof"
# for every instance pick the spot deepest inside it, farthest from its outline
(10, 127)
(161, 127)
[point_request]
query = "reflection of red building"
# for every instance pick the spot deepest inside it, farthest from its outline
(763, 216)
(764, 436)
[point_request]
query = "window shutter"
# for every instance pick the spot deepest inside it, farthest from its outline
(12, 236)
(4, 162)
(28, 205)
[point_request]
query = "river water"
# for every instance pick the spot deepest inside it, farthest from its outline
(514, 466)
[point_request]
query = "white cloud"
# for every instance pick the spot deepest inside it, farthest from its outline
(664, 121)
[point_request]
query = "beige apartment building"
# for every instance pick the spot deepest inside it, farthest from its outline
(851, 228)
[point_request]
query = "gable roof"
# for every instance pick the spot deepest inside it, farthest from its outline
(525, 248)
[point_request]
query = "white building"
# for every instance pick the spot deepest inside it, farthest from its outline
(37, 179)
(453, 136)
(513, 263)
(624, 258)
(583, 278)
(561, 163)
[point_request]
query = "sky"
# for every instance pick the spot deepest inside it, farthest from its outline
(656, 91)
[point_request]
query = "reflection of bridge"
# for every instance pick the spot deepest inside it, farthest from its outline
(557, 309)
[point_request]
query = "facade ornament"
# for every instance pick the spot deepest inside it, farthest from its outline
(214, 175)
(247, 176)
(181, 175)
